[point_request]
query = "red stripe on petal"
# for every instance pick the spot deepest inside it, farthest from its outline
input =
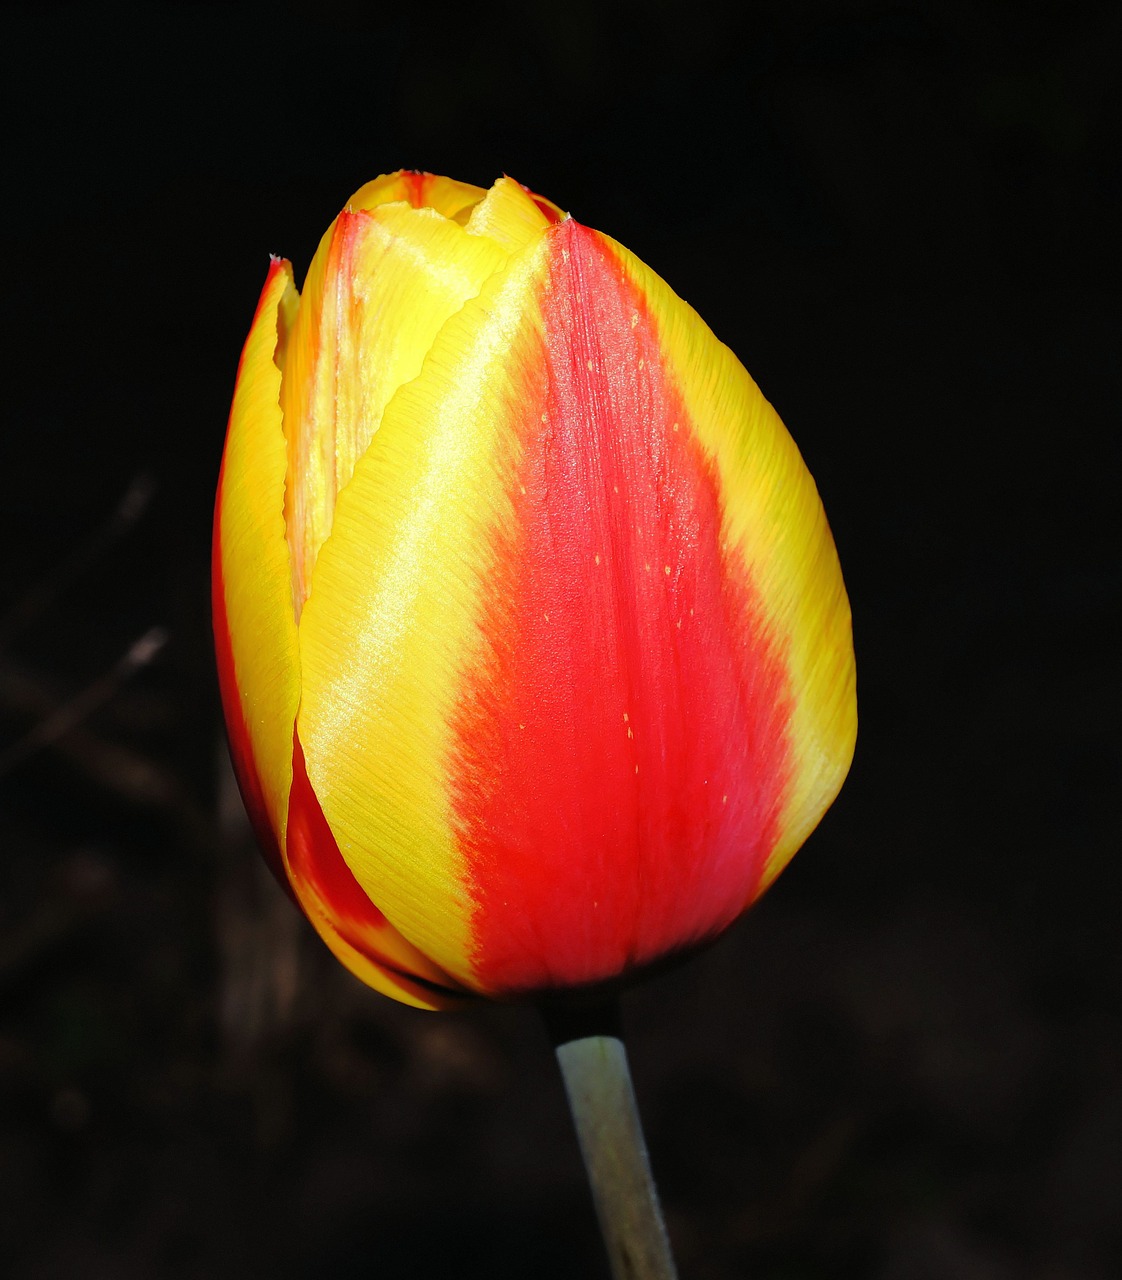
(547, 207)
(622, 754)
(416, 185)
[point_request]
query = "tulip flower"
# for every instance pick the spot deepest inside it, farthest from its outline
(533, 644)
(534, 648)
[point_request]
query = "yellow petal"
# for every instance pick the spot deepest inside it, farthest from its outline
(508, 216)
(252, 553)
(391, 620)
(383, 282)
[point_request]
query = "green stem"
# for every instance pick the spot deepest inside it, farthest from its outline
(597, 1079)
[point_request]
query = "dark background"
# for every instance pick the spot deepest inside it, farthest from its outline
(907, 1062)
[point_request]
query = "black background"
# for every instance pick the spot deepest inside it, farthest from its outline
(907, 1061)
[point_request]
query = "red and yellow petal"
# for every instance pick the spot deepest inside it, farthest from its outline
(357, 933)
(622, 754)
(566, 735)
(774, 522)
(259, 674)
(255, 628)
(420, 190)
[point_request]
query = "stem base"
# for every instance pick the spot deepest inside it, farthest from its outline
(598, 1083)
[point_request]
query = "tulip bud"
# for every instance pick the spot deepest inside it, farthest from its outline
(533, 643)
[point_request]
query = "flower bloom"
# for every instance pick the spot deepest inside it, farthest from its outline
(533, 643)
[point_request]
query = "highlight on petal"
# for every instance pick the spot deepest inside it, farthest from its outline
(382, 284)
(255, 628)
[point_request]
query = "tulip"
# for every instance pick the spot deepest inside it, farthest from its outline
(533, 643)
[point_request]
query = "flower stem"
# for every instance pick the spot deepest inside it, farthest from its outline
(598, 1082)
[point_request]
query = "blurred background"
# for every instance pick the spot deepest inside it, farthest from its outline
(907, 1061)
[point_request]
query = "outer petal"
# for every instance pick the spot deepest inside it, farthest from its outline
(255, 629)
(259, 675)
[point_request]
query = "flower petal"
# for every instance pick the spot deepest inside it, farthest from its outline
(392, 621)
(255, 628)
(622, 755)
(774, 520)
(383, 282)
(509, 215)
(352, 926)
(421, 190)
